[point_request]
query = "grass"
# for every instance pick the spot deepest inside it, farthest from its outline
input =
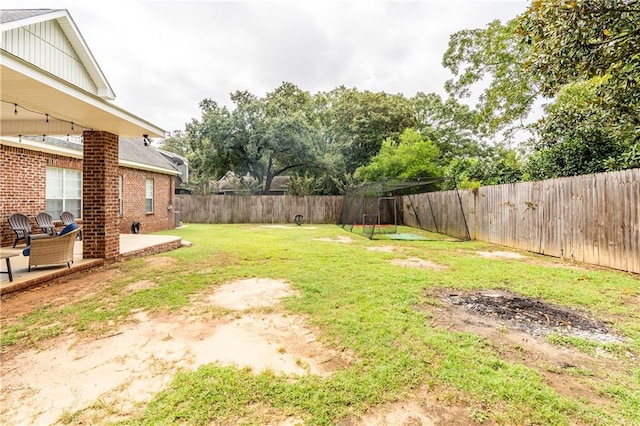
(363, 304)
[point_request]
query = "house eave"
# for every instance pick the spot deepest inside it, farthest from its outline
(29, 87)
(74, 36)
(40, 147)
(147, 167)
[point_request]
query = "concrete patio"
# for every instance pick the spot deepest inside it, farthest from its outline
(131, 245)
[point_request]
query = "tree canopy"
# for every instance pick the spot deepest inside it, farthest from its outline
(581, 57)
(411, 158)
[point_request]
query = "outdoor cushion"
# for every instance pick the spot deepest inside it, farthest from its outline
(70, 227)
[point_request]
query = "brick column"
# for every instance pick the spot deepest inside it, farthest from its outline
(100, 221)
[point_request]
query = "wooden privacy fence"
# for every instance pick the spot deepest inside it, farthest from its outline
(258, 208)
(592, 218)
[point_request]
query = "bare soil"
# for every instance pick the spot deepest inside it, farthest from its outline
(516, 326)
(125, 368)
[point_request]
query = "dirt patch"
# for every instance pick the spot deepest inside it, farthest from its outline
(416, 262)
(127, 367)
(420, 410)
(500, 255)
(140, 285)
(249, 293)
(160, 261)
(382, 249)
(57, 293)
(288, 227)
(338, 239)
(398, 413)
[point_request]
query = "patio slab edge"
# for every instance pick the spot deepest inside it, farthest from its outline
(86, 264)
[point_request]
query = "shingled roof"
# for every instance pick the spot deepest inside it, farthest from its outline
(132, 153)
(10, 15)
(133, 150)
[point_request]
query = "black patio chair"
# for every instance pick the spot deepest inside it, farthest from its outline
(45, 222)
(19, 224)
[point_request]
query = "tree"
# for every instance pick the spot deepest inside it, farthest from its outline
(452, 126)
(360, 121)
(411, 158)
(574, 41)
(495, 57)
(263, 137)
(578, 39)
(177, 142)
(576, 136)
(494, 166)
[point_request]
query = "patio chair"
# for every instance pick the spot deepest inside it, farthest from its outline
(68, 218)
(19, 224)
(51, 251)
(45, 222)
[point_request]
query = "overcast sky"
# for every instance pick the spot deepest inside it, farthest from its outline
(163, 57)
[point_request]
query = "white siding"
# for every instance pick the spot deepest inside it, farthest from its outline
(46, 46)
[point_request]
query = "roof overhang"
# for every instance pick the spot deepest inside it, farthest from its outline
(34, 145)
(148, 167)
(40, 147)
(37, 93)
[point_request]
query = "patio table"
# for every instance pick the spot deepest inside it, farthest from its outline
(7, 253)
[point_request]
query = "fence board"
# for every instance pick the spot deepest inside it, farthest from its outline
(257, 208)
(590, 218)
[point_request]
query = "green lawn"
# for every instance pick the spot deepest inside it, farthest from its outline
(385, 315)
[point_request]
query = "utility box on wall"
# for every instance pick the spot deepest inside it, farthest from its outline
(177, 219)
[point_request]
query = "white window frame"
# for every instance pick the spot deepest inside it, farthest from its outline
(120, 195)
(63, 186)
(148, 201)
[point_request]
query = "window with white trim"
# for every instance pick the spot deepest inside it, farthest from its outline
(120, 198)
(149, 196)
(64, 191)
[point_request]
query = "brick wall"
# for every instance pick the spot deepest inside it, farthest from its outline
(23, 190)
(23, 183)
(101, 238)
(134, 194)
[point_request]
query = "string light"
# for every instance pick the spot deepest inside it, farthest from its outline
(46, 115)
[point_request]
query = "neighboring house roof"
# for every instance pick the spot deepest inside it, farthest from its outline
(135, 153)
(132, 153)
(279, 183)
(228, 183)
(46, 67)
(179, 162)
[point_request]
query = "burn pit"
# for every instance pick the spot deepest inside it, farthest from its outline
(531, 315)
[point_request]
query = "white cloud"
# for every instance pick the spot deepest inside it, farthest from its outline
(163, 57)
